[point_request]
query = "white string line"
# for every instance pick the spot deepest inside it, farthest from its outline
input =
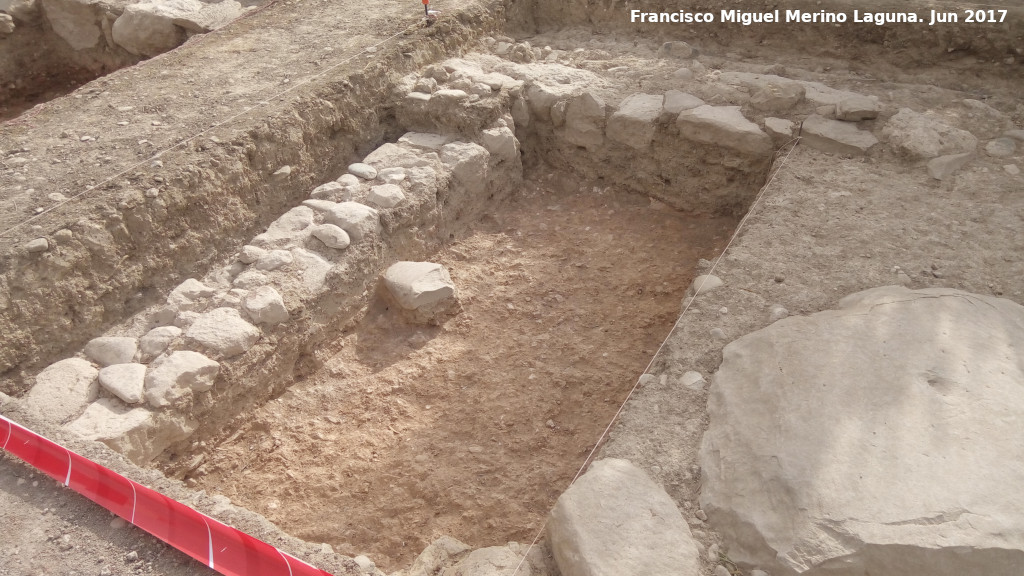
(260, 104)
(618, 412)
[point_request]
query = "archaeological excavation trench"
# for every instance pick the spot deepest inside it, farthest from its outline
(238, 308)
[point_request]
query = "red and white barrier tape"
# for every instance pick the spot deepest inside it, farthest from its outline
(221, 547)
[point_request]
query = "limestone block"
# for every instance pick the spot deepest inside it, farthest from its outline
(362, 170)
(154, 342)
(676, 102)
(74, 21)
(107, 350)
(836, 136)
(223, 332)
(272, 260)
(501, 142)
(921, 137)
(334, 191)
(767, 92)
(779, 128)
(265, 305)
(63, 389)
(882, 437)
(435, 557)
(584, 121)
(332, 236)
(7, 27)
(390, 155)
(468, 163)
(189, 295)
(857, 108)
(1001, 147)
(386, 195)
(418, 284)
(634, 123)
(138, 433)
(358, 220)
(616, 520)
(126, 381)
(177, 375)
(723, 126)
(540, 97)
(26, 11)
(151, 28)
(493, 561)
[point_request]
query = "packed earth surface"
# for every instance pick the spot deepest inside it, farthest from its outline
(407, 297)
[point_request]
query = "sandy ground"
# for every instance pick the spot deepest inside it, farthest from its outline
(358, 438)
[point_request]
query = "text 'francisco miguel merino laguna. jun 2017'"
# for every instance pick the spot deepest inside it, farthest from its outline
(931, 18)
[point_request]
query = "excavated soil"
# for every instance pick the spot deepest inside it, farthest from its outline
(474, 428)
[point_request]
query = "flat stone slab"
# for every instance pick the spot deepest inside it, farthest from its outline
(921, 137)
(224, 332)
(616, 520)
(676, 101)
(64, 389)
(723, 126)
(883, 437)
(836, 136)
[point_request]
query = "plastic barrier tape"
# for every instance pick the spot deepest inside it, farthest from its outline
(221, 547)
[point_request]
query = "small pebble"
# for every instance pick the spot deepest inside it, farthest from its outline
(723, 310)
(721, 571)
(132, 556)
(282, 172)
(718, 334)
(779, 278)
(713, 553)
(152, 193)
(701, 515)
(38, 245)
(777, 312)
(1012, 169)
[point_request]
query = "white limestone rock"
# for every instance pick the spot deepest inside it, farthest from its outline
(175, 376)
(616, 520)
(332, 236)
(224, 332)
(37, 245)
(943, 167)
(634, 123)
(492, 561)
(6, 24)
(265, 306)
(857, 108)
(501, 142)
(137, 433)
(273, 260)
(361, 170)
(879, 438)
(768, 92)
(779, 129)
(703, 284)
(468, 163)
(290, 229)
(836, 136)
(386, 195)
(74, 21)
(584, 121)
(189, 295)
(677, 101)
(107, 350)
(435, 557)
(25, 11)
(358, 220)
(63, 389)
(1001, 147)
(921, 137)
(334, 191)
(154, 342)
(126, 381)
(418, 284)
(151, 28)
(723, 126)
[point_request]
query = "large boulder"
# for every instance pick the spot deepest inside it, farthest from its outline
(75, 21)
(723, 126)
(138, 433)
(468, 163)
(151, 28)
(63, 389)
(423, 290)
(879, 438)
(584, 121)
(616, 520)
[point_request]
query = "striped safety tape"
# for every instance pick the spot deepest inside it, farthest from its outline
(221, 547)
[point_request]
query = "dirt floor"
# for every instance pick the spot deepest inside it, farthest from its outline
(475, 428)
(472, 429)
